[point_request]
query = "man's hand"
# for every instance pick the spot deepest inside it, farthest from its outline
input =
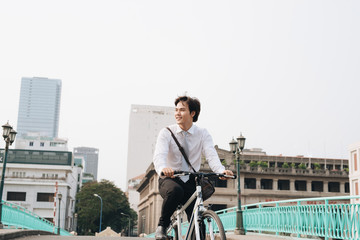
(227, 172)
(168, 172)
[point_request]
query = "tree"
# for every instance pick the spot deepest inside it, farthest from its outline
(114, 202)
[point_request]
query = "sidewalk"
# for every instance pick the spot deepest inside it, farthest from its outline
(16, 233)
(255, 236)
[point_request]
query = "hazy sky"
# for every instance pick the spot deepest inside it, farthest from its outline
(284, 73)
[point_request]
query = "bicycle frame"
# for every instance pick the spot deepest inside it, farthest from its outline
(198, 207)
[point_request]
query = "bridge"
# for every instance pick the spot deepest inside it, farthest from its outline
(328, 218)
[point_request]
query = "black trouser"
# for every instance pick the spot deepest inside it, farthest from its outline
(174, 191)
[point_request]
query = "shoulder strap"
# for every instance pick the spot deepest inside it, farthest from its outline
(181, 149)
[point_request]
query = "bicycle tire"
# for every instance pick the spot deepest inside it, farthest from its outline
(211, 221)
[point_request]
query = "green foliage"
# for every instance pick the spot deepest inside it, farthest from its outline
(346, 169)
(302, 166)
(114, 202)
(262, 164)
(223, 162)
(293, 165)
(242, 162)
(285, 165)
(253, 164)
(317, 166)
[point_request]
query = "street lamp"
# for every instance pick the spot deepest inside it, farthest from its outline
(59, 197)
(129, 222)
(237, 147)
(101, 204)
(9, 135)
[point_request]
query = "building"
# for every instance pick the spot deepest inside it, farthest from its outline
(132, 194)
(39, 107)
(144, 127)
(34, 141)
(263, 178)
(33, 177)
(91, 159)
(354, 171)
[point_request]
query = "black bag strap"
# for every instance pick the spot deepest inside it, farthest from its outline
(181, 149)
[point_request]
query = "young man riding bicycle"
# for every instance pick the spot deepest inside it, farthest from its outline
(167, 158)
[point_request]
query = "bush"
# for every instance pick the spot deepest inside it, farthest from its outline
(253, 164)
(302, 166)
(317, 166)
(262, 164)
(285, 165)
(293, 165)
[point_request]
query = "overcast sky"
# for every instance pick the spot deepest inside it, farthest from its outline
(284, 73)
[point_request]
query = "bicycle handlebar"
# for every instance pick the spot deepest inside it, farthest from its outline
(184, 173)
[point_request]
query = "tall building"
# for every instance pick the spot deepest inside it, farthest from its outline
(39, 106)
(145, 124)
(91, 159)
(354, 171)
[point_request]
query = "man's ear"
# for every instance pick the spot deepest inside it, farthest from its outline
(192, 114)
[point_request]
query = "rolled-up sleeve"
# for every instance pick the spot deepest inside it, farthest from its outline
(210, 153)
(161, 151)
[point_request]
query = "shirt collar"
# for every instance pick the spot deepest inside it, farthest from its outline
(191, 130)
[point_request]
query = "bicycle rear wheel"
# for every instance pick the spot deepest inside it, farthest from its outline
(211, 227)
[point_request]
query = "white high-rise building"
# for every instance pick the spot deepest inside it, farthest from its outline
(39, 107)
(354, 170)
(144, 127)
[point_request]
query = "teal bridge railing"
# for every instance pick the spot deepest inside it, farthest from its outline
(331, 217)
(15, 216)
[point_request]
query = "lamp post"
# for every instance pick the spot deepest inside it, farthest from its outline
(237, 147)
(9, 135)
(101, 204)
(129, 222)
(59, 197)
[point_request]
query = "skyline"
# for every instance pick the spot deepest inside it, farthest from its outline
(284, 73)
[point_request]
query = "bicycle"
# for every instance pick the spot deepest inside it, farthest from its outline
(206, 223)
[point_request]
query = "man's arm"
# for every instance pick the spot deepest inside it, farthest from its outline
(161, 153)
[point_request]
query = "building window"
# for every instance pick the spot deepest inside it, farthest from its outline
(45, 197)
(317, 186)
(347, 187)
(250, 183)
(16, 196)
(31, 144)
(267, 184)
(283, 185)
(42, 144)
(219, 183)
(334, 187)
(217, 207)
(300, 185)
(355, 162)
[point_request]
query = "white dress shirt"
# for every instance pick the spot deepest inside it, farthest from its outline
(200, 143)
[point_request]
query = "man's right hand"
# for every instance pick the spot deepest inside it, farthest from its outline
(168, 172)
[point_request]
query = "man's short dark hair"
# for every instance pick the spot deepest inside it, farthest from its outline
(193, 103)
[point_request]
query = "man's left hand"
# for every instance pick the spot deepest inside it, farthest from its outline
(227, 172)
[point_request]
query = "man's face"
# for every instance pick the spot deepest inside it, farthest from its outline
(183, 115)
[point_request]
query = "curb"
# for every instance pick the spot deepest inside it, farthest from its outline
(22, 233)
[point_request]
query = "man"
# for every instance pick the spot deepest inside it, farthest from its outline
(168, 158)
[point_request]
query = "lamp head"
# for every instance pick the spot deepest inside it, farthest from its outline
(233, 145)
(59, 196)
(12, 136)
(241, 141)
(6, 130)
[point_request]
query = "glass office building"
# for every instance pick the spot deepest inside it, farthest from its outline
(39, 106)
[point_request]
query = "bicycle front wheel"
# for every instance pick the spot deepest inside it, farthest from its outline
(211, 227)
